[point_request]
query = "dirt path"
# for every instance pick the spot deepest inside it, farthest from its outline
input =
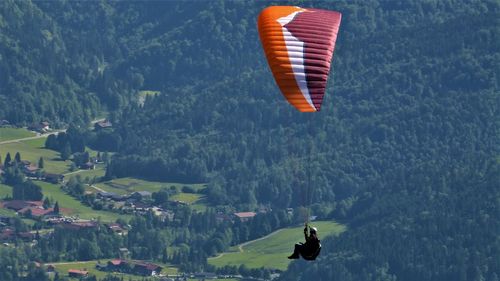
(55, 132)
(65, 263)
(240, 247)
(97, 188)
(34, 137)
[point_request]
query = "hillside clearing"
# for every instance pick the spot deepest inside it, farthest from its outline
(272, 251)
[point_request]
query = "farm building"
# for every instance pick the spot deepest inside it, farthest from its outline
(76, 273)
(36, 212)
(53, 178)
(105, 124)
(244, 216)
(133, 267)
(17, 205)
(41, 127)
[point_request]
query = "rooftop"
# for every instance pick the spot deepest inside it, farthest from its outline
(245, 214)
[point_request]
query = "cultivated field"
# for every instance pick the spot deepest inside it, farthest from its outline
(14, 133)
(272, 251)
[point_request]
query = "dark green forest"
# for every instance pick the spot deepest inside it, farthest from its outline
(405, 152)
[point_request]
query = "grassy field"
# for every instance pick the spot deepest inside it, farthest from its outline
(124, 186)
(99, 172)
(76, 208)
(5, 191)
(7, 212)
(189, 198)
(14, 133)
(129, 185)
(32, 150)
(272, 251)
(89, 266)
(143, 94)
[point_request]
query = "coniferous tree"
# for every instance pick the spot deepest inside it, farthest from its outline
(66, 152)
(51, 142)
(17, 157)
(56, 208)
(7, 161)
(40, 163)
(46, 203)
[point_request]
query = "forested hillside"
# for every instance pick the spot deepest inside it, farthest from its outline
(405, 150)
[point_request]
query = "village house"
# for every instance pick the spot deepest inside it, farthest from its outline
(111, 196)
(146, 269)
(105, 124)
(76, 273)
(41, 127)
(124, 253)
(17, 205)
(35, 212)
(141, 195)
(88, 166)
(53, 178)
(31, 170)
(133, 267)
(205, 275)
(244, 216)
(79, 225)
(116, 228)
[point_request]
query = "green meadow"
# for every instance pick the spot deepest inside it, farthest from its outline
(128, 185)
(75, 207)
(7, 212)
(5, 191)
(272, 251)
(32, 150)
(97, 173)
(7, 134)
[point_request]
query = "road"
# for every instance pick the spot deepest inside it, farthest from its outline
(34, 137)
(55, 132)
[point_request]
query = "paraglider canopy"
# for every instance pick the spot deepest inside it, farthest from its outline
(299, 45)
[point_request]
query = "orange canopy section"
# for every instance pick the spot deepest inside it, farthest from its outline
(299, 45)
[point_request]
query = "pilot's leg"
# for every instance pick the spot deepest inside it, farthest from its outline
(296, 251)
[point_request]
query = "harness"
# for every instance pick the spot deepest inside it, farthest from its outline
(312, 256)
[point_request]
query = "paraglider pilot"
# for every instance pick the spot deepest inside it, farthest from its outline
(311, 248)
